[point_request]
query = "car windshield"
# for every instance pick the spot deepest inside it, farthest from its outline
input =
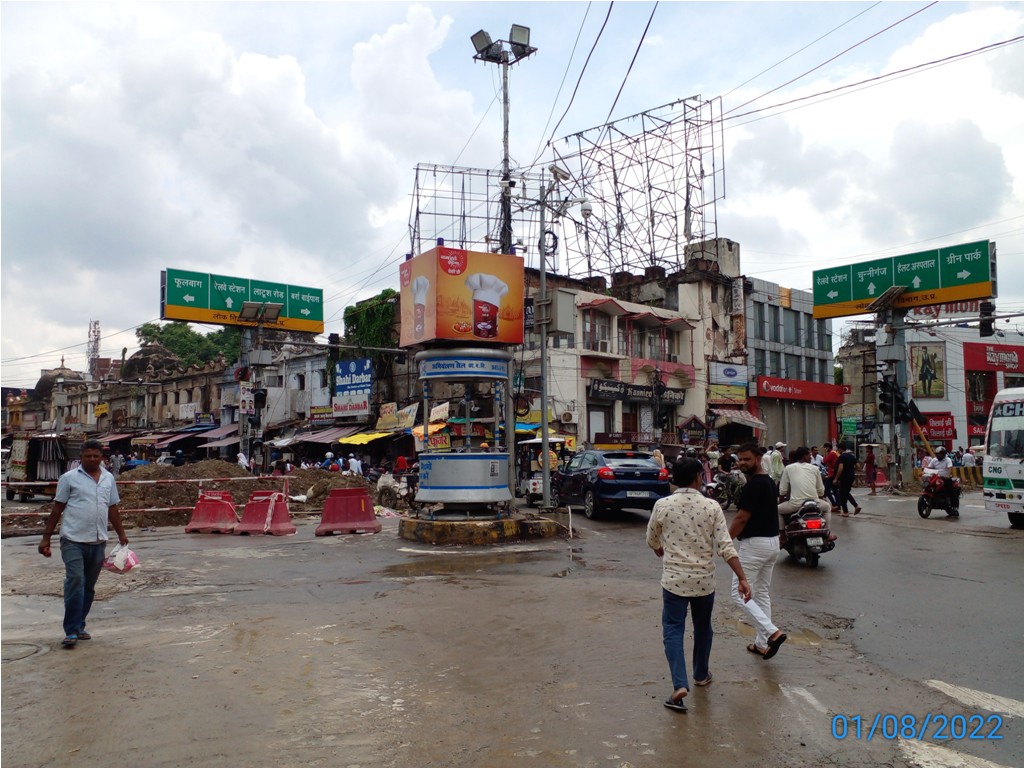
(630, 459)
(1006, 434)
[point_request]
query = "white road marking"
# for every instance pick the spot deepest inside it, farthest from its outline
(925, 755)
(979, 699)
(513, 549)
(806, 695)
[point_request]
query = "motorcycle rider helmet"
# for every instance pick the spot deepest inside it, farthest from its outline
(940, 451)
(329, 455)
(691, 453)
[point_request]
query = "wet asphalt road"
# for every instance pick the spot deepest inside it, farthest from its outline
(375, 651)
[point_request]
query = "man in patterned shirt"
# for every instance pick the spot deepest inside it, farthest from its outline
(687, 530)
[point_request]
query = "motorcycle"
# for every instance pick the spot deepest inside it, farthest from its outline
(806, 534)
(939, 492)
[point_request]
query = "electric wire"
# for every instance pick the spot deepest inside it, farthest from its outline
(800, 50)
(833, 58)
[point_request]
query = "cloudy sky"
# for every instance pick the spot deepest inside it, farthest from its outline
(278, 140)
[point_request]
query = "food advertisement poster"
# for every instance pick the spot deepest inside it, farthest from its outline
(454, 294)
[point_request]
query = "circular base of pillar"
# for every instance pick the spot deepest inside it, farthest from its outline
(478, 532)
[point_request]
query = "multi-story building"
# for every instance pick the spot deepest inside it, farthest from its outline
(791, 371)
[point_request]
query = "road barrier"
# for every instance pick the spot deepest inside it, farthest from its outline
(348, 510)
(266, 512)
(213, 513)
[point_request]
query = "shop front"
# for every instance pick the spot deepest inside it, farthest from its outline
(647, 413)
(987, 369)
(797, 412)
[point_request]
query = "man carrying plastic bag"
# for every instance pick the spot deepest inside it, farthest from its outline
(87, 498)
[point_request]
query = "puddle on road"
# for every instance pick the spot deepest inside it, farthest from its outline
(799, 636)
(454, 564)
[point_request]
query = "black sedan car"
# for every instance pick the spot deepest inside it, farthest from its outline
(607, 480)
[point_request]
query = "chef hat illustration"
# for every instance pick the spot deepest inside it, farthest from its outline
(486, 288)
(420, 289)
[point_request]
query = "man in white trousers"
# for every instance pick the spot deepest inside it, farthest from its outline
(755, 532)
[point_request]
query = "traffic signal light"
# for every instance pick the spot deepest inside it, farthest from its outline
(987, 325)
(900, 404)
(259, 399)
(254, 421)
(916, 415)
(886, 395)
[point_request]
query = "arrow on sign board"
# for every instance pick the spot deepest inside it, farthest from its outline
(963, 274)
(303, 311)
(917, 282)
(188, 299)
(833, 294)
(229, 302)
(871, 289)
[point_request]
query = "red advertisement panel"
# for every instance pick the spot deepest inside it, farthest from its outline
(993, 357)
(791, 389)
(939, 426)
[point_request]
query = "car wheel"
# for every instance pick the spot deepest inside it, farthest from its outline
(531, 500)
(923, 507)
(590, 508)
(387, 497)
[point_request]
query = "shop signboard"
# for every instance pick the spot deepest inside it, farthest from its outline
(693, 431)
(793, 389)
(939, 426)
(353, 382)
(938, 276)
(470, 296)
(610, 389)
(205, 298)
(321, 415)
(392, 417)
(993, 357)
(727, 394)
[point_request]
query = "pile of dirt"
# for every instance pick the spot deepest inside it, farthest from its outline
(161, 503)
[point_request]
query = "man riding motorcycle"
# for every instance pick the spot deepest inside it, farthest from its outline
(801, 481)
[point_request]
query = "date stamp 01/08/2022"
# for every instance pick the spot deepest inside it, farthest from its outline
(930, 726)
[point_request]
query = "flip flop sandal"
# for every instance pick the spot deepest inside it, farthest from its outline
(83, 635)
(774, 645)
(69, 642)
(753, 649)
(676, 706)
(705, 681)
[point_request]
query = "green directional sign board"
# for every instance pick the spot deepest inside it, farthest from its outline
(204, 298)
(939, 276)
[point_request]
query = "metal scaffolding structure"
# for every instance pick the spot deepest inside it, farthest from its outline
(653, 195)
(654, 180)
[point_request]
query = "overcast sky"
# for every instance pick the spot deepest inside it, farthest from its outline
(278, 140)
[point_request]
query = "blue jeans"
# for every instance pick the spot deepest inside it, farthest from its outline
(673, 627)
(82, 566)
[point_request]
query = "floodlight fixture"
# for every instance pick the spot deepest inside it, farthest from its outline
(519, 41)
(482, 42)
(250, 311)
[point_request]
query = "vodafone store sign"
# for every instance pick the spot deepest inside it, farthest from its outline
(792, 389)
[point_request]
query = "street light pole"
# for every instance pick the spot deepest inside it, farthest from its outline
(542, 320)
(506, 181)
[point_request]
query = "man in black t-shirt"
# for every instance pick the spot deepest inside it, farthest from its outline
(755, 530)
(846, 472)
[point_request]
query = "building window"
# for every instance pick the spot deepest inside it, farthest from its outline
(811, 369)
(188, 395)
(323, 378)
(760, 363)
(824, 337)
(760, 321)
(177, 397)
(776, 364)
(597, 328)
(300, 382)
(163, 398)
(792, 367)
(824, 373)
(773, 323)
(791, 327)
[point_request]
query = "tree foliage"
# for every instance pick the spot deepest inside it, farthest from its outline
(191, 347)
(371, 323)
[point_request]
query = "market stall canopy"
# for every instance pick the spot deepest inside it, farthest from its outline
(107, 439)
(364, 437)
(223, 443)
(746, 418)
(418, 430)
(220, 432)
(331, 435)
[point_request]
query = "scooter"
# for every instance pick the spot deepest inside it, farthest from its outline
(806, 534)
(939, 492)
